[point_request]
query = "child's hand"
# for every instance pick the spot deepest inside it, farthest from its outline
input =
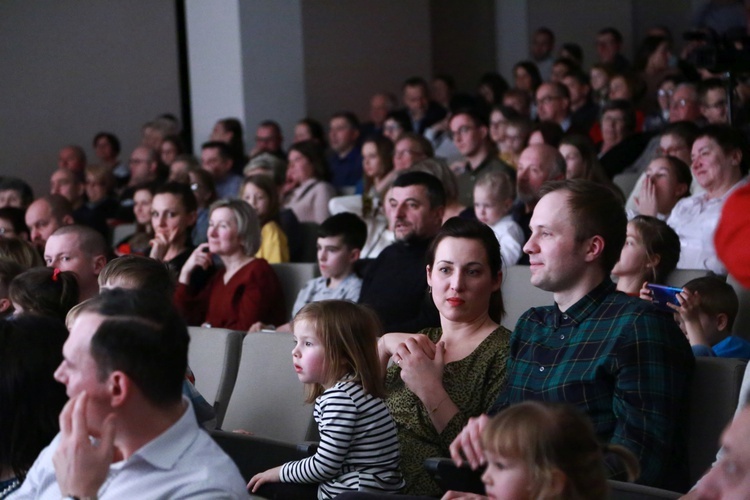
(269, 476)
(646, 293)
(646, 201)
(689, 307)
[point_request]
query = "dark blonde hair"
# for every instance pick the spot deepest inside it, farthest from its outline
(267, 185)
(658, 238)
(546, 437)
(349, 334)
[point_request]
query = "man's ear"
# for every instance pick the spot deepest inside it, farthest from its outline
(5, 305)
(595, 247)
(722, 321)
(120, 388)
(67, 220)
(99, 262)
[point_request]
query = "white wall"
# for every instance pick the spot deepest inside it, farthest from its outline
(70, 69)
(215, 64)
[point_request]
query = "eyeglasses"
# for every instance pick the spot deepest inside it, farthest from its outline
(4, 231)
(665, 93)
(681, 103)
(405, 152)
(547, 99)
(194, 186)
(717, 105)
(462, 130)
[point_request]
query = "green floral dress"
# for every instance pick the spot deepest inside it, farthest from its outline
(472, 383)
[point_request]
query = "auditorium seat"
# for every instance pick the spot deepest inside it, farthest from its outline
(214, 357)
(679, 277)
(519, 294)
(268, 399)
(741, 326)
(293, 276)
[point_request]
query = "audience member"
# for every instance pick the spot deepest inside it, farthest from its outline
(72, 186)
(260, 192)
(652, 63)
(714, 106)
(442, 89)
(606, 343)
(107, 149)
(44, 291)
(45, 215)
(667, 181)
(268, 139)
(171, 148)
(182, 164)
(515, 141)
(216, 158)
(420, 112)
(621, 145)
(499, 116)
(470, 134)
(381, 104)
(73, 158)
(241, 292)
(394, 283)
(377, 167)
(581, 161)
(527, 79)
(542, 450)
(79, 249)
(494, 193)
(15, 193)
(608, 47)
(599, 75)
(100, 203)
(144, 168)
(345, 160)
(718, 159)
(443, 173)
(536, 165)
(583, 110)
(125, 362)
(12, 224)
(549, 133)
(309, 129)
(307, 190)
(138, 243)
(230, 132)
(396, 125)
(659, 118)
(706, 314)
(542, 47)
(202, 184)
(429, 401)
(685, 105)
(519, 100)
(21, 252)
(491, 88)
(562, 67)
(340, 241)
(410, 149)
(650, 253)
(553, 104)
(335, 357)
(31, 349)
(173, 214)
(572, 51)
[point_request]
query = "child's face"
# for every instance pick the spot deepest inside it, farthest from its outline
(709, 324)
(488, 208)
(335, 259)
(633, 257)
(308, 354)
(256, 198)
(506, 478)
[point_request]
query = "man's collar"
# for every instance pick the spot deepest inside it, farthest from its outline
(165, 450)
(585, 306)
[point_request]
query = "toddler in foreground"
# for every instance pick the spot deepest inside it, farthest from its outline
(544, 451)
(335, 356)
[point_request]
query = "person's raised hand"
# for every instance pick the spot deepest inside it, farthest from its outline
(81, 467)
(200, 257)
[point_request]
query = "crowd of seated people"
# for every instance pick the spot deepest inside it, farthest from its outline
(601, 178)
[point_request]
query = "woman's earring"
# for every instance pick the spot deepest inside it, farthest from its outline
(429, 289)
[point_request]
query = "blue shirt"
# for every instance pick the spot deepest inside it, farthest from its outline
(730, 347)
(346, 171)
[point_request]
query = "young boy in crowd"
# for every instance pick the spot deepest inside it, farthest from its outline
(494, 193)
(340, 241)
(707, 312)
(134, 272)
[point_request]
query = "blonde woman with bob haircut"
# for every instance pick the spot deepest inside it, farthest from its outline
(242, 289)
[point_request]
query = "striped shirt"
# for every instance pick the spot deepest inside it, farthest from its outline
(358, 448)
(618, 359)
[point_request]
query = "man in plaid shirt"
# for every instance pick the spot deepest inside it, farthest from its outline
(615, 357)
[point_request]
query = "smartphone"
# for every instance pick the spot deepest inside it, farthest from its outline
(664, 295)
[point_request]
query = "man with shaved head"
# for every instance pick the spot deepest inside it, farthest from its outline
(537, 164)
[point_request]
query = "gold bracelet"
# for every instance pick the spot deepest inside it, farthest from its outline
(438, 405)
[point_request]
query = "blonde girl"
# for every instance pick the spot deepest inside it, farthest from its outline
(335, 356)
(547, 451)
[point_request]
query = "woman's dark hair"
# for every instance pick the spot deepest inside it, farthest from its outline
(681, 172)
(177, 142)
(45, 291)
(314, 154)
(552, 132)
(496, 84)
(207, 180)
(181, 191)
(658, 239)
(30, 398)
(266, 184)
(592, 169)
(112, 139)
(317, 131)
(472, 229)
(237, 142)
(628, 112)
(401, 119)
(384, 148)
(532, 70)
(729, 139)
(648, 47)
